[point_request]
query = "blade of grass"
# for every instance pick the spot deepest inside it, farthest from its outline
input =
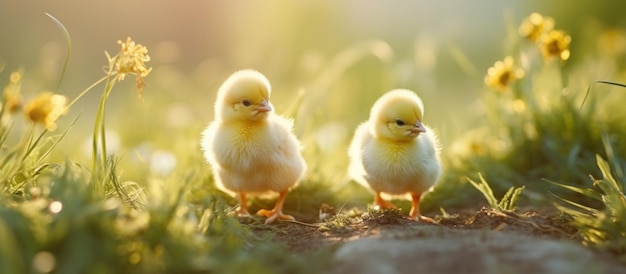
(584, 191)
(32, 145)
(583, 207)
(606, 172)
(510, 198)
(55, 143)
(68, 42)
(599, 82)
(611, 155)
(484, 188)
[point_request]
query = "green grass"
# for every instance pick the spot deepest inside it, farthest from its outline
(66, 212)
(543, 130)
(604, 227)
(536, 129)
(508, 201)
(71, 217)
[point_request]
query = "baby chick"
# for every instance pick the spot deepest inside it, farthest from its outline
(250, 149)
(394, 153)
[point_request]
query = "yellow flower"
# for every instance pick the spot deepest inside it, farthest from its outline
(555, 43)
(502, 74)
(131, 60)
(12, 97)
(535, 25)
(46, 109)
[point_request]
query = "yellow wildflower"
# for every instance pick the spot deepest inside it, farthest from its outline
(131, 60)
(12, 97)
(555, 43)
(502, 74)
(46, 109)
(535, 25)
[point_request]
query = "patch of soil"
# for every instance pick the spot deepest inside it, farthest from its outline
(541, 223)
(308, 235)
(533, 240)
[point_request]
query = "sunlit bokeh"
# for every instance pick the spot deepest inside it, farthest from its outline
(425, 46)
(509, 87)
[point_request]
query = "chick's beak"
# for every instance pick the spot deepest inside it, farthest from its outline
(264, 107)
(418, 128)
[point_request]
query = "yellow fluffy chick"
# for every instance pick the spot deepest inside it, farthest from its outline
(250, 149)
(394, 152)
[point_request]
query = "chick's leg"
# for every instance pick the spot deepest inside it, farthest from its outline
(277, 212)
(381, 203)
(414, 214)
(243, 206)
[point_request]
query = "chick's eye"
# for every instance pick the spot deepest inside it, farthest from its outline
(246, 102)
(400, 122)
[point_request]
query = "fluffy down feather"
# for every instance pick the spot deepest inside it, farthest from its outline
(394, 152)
(251, 149)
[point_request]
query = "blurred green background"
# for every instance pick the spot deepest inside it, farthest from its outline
(339, 55)
(328, 61)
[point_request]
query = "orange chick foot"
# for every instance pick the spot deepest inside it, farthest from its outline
(380, 203)
(414, 214)
(242, 213)
(424, 219)
(384, 205)
(273, 214)
(242, 210)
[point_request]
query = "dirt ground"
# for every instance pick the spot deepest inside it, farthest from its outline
(534, 227)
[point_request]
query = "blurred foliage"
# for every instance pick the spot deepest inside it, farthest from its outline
(67, 218)
(535, 126)
(603, 228)
(70, 226)
(149, 204)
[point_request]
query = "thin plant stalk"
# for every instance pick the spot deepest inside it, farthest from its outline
(87, 90)
(99, 132)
